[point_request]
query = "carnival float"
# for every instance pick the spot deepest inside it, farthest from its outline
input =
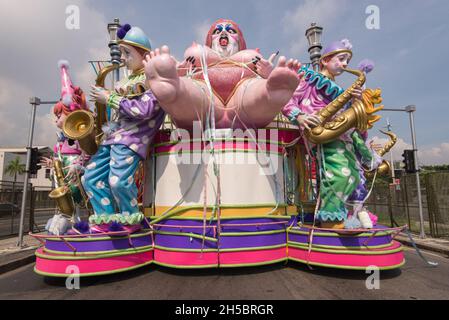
(225, 159)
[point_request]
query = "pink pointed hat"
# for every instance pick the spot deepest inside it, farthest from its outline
(67, 89)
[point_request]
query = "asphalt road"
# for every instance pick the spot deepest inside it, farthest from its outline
(293, 281)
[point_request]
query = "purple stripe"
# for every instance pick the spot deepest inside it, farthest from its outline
(227, 225)
(234, 242)
(182, 242)
(253, 241)
(100, 245)
(343, 241)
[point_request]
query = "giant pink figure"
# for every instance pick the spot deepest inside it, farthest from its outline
(245, 91)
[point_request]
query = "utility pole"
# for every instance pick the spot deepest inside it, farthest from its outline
(34, 101)
(410, 110)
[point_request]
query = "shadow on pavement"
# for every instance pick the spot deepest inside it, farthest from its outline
(343, 273)
(97, 280)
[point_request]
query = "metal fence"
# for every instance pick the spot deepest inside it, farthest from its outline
(398, 204)
(39, 208)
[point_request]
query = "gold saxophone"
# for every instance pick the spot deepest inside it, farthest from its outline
(62, 194)
(385, 166)
(83, 127)
(360, 115)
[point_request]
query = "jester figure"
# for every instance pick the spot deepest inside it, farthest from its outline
(223, 81)
(109, 177)
(66, 150)
(340, 161)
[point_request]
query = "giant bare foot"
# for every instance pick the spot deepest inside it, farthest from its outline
(162, 76)
(283, 81)
(180, 97)
(264, 99)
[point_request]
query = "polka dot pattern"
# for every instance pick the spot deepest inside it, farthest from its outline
(91, 166)
(113, 180)
(346, 172)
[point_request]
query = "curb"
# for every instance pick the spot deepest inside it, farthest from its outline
(15, 263)
(425, 246)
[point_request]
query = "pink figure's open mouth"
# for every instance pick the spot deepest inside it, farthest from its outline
(224, 41)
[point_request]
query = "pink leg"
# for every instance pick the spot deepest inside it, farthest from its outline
(261, 100)
(180, 97)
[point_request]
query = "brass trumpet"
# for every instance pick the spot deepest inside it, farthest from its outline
(62, 194)
(360, 115)
(83, 127)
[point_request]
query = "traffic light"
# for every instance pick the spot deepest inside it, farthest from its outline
(34, 162)
(409, 161)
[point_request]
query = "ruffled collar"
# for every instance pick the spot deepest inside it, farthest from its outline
(331, 89)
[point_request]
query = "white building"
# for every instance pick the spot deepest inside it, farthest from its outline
(40, 181)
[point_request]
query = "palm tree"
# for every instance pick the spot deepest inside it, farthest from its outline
(15, 168)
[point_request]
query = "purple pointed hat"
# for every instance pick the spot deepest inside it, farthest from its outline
(337, 47)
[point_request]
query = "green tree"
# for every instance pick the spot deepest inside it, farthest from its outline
(15, 168)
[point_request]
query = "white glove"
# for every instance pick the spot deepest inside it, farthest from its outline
(58, 225)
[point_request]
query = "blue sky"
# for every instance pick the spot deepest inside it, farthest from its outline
(409, 50)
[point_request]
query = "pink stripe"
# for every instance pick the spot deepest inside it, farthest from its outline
(190, 147)
(350, 260)
(250, 257)
(285, 136)
(186, 258)
(92, 266)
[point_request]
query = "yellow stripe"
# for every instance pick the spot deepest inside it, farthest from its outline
(197, 211)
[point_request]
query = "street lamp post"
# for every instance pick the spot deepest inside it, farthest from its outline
(313, 35)
(34, 101)
(410, 110)
(115, 54)
(113, 45)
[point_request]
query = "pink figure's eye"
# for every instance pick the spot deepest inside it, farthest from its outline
(218, 29)
(230, 29)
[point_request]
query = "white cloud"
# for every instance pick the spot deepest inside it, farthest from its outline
(36, 39)
(428, 155)
(324, 12)
(201, 31)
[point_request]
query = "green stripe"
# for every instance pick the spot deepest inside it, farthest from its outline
(92, 274)
(76, 253)
(346, 247)
(261, 141)
(253, 264)
(355, 252)
(255, 248)
(346, 267)
(218, 151)
(206, 266)
(197, 207)
(258, 233)
(335, 235)
(184, 250)
(48, 257)
(221, 250)
(91, 239)
(183, 234)
(227, 218)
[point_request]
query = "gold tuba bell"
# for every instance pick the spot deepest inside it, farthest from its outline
(62, 194)
(360, 115)
(82, 126)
